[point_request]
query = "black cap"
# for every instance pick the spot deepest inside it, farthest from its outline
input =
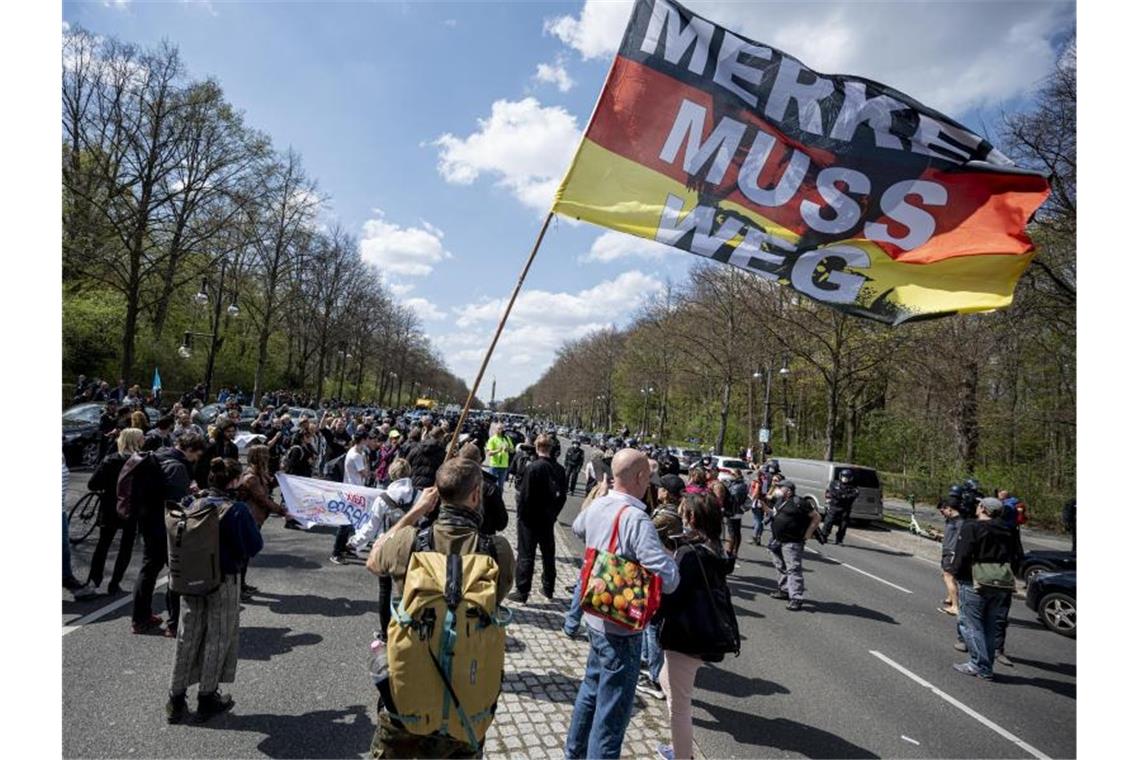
(673, 484)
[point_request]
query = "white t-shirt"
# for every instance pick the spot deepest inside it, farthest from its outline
(354, 463)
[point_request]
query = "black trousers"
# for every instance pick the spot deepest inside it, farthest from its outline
(153, 529)
(572, 474)
(110, 526)
(340, 543)
(837, 517)
(534, 538)
(385, 604)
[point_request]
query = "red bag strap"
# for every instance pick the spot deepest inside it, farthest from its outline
(614, 532)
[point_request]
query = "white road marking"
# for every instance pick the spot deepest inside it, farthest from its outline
(912, 741)
(968, 710)
(888, 546)
(92, 617)
(863, 572)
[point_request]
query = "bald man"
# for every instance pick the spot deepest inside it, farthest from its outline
(605, 698)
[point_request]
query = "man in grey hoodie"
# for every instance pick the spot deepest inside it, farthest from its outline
(605, 698)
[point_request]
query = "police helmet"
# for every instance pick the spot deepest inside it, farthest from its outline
(971, 485)
(846, 476)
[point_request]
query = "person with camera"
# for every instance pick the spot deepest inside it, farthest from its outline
(691, 631)
(841, 494)
(793, 522)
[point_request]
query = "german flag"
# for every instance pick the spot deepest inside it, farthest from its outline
(852, 193)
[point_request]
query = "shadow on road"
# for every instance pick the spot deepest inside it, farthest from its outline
(290, 561)
(311, 604)
(553, 687)
(854, 610)
(1064, 688)
(257, 643)
(1060, 668)
(320, 734)
(876, 551)
(724, 681)
(778, 734)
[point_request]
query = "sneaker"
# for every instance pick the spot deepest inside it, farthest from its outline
(1001, 658)
(779, 595)
(665, 751)
(72, 583)
(176, 709)
(795, 604)
(114, 588)
(150, 626)
(960, 646)
(337, 559)
(516, 597)
(213, 704)
(649, 687)
(247, 589)
(570, 588)
(966, 668)
(819, 536)
(549, 595)
(571, 634)
(85, 591)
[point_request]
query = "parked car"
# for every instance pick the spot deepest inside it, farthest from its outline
(686, 457)
(812, 476)
(725, 466)
(1053, 596)
(295, 413)
(81, 433)
(1046, 561)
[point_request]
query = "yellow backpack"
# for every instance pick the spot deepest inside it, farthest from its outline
(446, 643)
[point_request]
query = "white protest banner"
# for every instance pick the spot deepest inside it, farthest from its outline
(325, 502)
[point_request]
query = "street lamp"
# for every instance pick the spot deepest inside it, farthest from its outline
(643, 433)
(202, 298)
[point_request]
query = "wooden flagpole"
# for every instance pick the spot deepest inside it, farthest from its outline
(498, 332)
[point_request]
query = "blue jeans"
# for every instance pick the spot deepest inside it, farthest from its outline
(574, 614)
(757, 524)
(500, 474)
(652, 652)
(605, 698)
(981, 614)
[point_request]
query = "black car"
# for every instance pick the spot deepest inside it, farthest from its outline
(81, 433)
(1053, 596)
(1046, 561)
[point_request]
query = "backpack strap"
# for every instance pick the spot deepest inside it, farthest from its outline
(486, 545)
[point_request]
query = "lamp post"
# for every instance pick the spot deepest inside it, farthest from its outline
(344, 357)
(644, 431)
(784, 372)
(202, 298)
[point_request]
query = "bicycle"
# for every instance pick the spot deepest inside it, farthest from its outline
(83, 518)
(914, 526)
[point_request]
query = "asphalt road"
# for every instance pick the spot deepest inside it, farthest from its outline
(825, 682)
(806, 683)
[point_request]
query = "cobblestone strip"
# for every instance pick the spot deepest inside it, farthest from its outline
(543, 670)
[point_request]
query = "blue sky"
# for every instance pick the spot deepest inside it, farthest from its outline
(439, 130)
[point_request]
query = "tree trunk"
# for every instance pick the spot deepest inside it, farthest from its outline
(967, 417)
(724, 405)
(849, 430)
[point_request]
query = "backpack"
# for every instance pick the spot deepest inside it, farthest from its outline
(707, 628)
(737, 498)
(334, 469)
(446, 643)
(142, 469)
(194, 545)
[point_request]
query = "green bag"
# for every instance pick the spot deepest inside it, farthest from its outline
(997, 575)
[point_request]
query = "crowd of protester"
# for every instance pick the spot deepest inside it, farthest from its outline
(684, 530)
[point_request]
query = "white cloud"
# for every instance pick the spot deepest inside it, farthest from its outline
(400, 288)
(539, 324)
(613, 245)
(205, 5)
(555, 74)
(411, 251)
(425, 309)
(525, 145)
(950, 56)
(119, 5)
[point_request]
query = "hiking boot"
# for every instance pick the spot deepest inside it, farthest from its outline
(1001, 658)
(516, 597)
(960, 646)
(795, 604)
(176, 709)
(648, 686)
(779, 595)
(213, 704)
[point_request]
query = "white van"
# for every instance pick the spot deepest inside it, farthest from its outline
(812, 476)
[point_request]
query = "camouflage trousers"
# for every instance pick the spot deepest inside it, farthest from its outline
(393, 740)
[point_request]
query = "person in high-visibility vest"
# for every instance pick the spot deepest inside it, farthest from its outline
(499, 449)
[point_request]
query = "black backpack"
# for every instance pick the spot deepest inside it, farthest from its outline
(737, 498)
(707, 627)
(137, 484)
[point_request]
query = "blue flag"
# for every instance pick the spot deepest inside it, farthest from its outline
(156, 385)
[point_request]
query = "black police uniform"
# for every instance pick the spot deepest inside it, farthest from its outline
(840, 498)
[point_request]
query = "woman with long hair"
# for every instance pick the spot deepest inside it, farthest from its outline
(207, 649)
(702, 520)
(253, 488)
(105, 481)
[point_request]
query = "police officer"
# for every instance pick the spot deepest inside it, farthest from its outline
(971, 495)
(841, 494)
(573, 463)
